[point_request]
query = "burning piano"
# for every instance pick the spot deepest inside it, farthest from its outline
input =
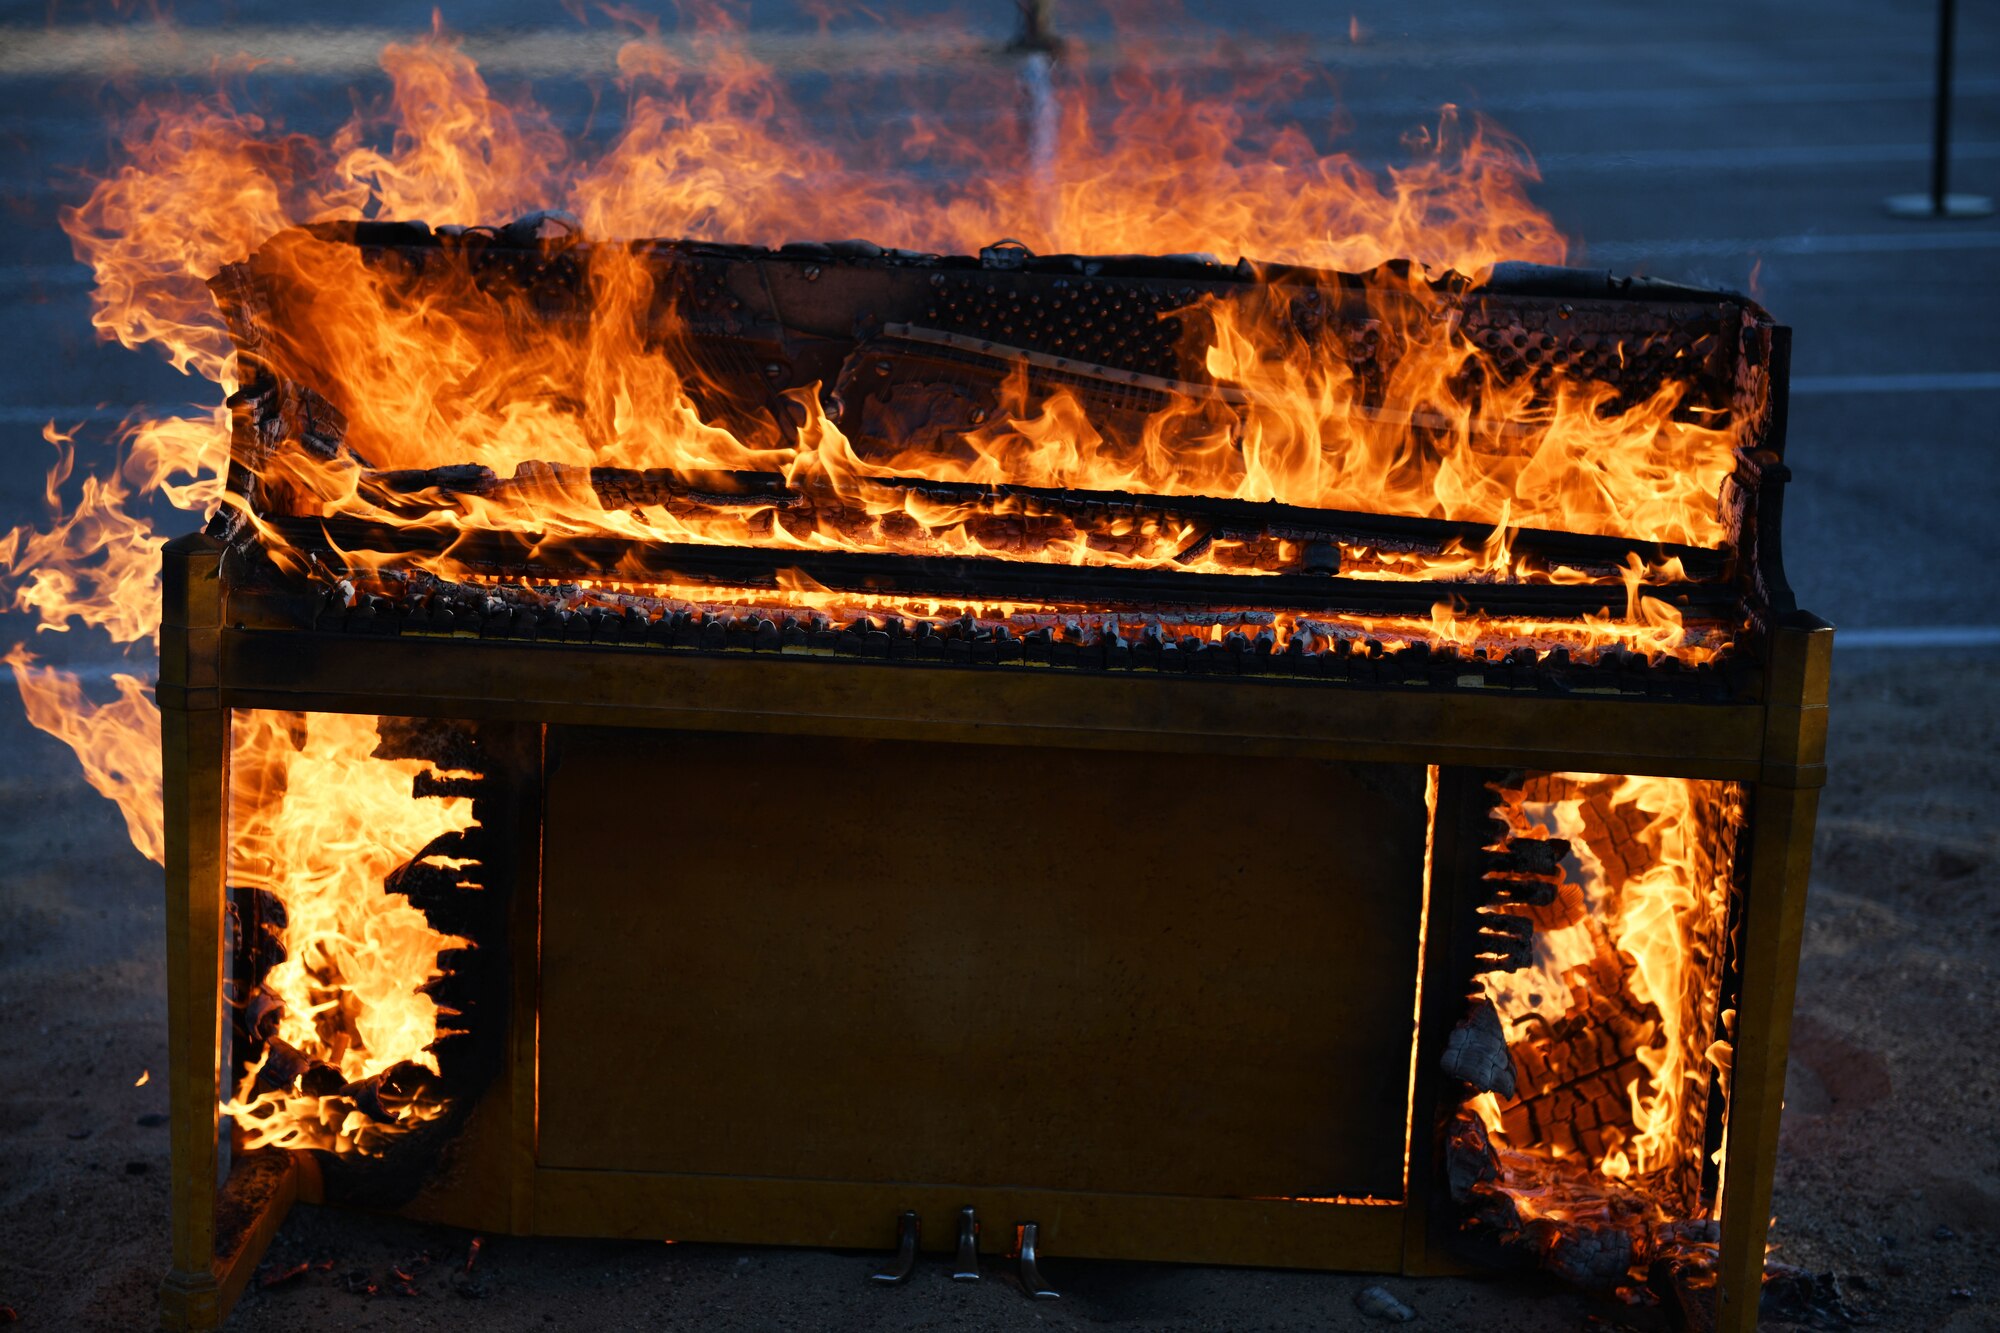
(1119, 756)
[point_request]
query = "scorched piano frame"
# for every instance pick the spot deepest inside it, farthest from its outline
(214, 661)
(775, 732)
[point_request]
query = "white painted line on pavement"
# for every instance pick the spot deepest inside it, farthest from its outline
(98, 672)
(1624, 98)
(61, 414)
(1761, 157)
(1710, 95)
(1944, 381)
(347, 52)
(1920, 636)
(1716, 247)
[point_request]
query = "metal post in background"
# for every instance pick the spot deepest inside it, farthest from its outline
(1941, 202)
(1037, 46)
(1037, 30)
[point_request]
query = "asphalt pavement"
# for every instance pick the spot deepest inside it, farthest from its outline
(1747, 145)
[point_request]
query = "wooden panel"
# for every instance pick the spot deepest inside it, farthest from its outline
(852, 960)
(1270, 1233)
(820, 694)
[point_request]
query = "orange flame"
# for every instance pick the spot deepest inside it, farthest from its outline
(711, 147)
(117, 743)
(1651, 883)
(320, 823)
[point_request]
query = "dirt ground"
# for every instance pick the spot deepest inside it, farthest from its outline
(1890, 1175)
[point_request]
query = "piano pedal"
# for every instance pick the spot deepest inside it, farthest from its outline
(1032, 1285)
(907, 1228)
(967, 1267)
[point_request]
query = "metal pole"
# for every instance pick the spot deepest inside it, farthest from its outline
(1941, 115)
(1037, 30)
(1941, 202)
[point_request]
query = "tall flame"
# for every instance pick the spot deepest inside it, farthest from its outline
(118, 743)
(712, 146)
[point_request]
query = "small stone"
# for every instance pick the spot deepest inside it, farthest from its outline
(137, 1168)
(1894, 1267)
(75, 1134)
(1944, 1233)
(1378, 1303)
(1961, 1293)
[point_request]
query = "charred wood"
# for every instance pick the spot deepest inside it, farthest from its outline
(449, 745)
(431, 783)
(380, 1096)
(509, 555)
(1476, 1051)
(283, 1063)
(1528, 856)
(1585, 1252)
(1526, 892)
(1309, 646)
(1685, 1283)
(1504, 942)
(256, 922)
(1020, 519)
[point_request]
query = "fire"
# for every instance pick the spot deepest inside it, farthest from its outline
(98, 566)
(118, 743)
(447, 370)
(319, 822)
(798, 597)
(711, 147)
(1629, 953)
(411, 363)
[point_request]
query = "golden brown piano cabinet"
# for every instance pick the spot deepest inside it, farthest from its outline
(1159, 962)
